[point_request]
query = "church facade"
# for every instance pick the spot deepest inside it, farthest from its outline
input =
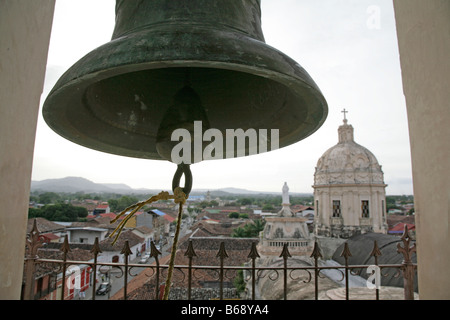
(349, 190)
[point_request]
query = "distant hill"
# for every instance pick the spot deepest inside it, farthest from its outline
(117, 186)
(237, 191)
(78, 184)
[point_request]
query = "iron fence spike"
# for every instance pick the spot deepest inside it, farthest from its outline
(65, 246)
(96, 247)
(253, 252)
(406, 250)
(285, 253)
(154, 252)
(222, 252)
(316, 254)
(376, 251)
(346, 252)
(126, 249)
(190, 252)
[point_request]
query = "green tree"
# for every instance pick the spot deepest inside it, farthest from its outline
(245, 201)
(239, 232)
(239, 282)
(34, 213)
(203, 204)
(113, 204)
(256, 227)
(49, 197)
(233, 215)
(250, 230)
(213, 203)
(59, 212)
(268, 207)
(121, 203)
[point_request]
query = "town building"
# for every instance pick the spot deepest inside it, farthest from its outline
(86, 234)
(102, 208)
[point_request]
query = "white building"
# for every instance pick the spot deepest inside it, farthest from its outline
(349, 190)
(86, 234)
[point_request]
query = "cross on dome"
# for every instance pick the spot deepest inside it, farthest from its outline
(344, 112)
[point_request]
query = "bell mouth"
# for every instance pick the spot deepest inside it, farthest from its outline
(114, 99)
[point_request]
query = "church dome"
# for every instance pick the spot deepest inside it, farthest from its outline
(347, 162)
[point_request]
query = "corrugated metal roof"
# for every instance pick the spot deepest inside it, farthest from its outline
(158, 212)
(88, 229)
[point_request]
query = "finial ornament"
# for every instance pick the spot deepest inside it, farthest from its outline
(345, 117)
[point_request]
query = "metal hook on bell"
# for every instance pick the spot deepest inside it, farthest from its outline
(186, 170)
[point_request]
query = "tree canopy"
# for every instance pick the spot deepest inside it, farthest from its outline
(59, 212)
(121, 203)
(250, 230)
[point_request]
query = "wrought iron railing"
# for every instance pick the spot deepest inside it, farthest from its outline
(407, 268)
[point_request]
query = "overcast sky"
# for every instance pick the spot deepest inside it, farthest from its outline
(349, 47)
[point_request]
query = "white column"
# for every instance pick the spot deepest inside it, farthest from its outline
(424, 46)
(25, 27)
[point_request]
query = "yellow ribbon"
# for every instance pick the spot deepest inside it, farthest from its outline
(178, 197)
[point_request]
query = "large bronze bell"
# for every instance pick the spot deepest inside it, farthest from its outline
(171, 63)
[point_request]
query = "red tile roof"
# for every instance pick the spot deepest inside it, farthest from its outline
(110, 215)
(168, 218)
(400, 227)
(50, 236)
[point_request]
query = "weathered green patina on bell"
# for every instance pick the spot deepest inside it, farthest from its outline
(116, 97)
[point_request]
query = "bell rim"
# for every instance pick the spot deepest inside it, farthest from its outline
(77, 78)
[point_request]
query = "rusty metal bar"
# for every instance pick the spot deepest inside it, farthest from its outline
(376, 253)
(253, 255)
(126, 251)
(95, 250)
(316, 254)
(285, 255)
(65, 248)
(222, 254)
(35, 241)
(236, 268)
(190, 253)
(154, 254)
(407, 265)
(29, 281)
(346, 254)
